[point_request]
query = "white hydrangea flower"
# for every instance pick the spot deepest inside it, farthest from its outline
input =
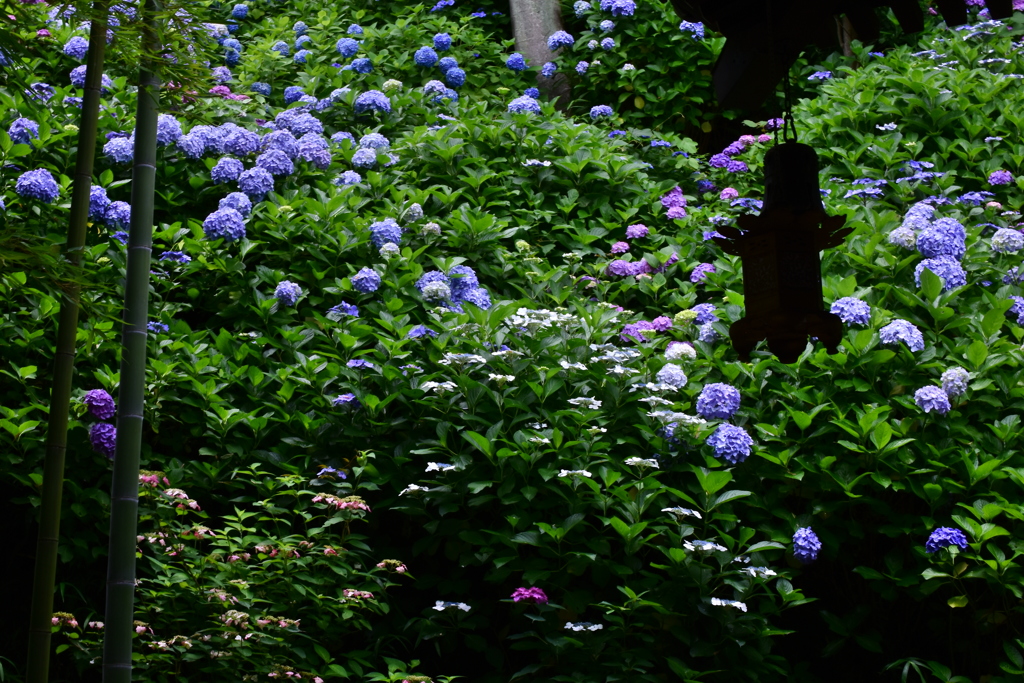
(575, 473)
(460, 359)
(441, 606)
(438, 467)
(539, 439)
(539, 425)
(655, 401)
(705, 547)
(741, 606)
(583, 626)
(439, 387)
(413, 489)
(510, 353)
(585, 402)
(390, 249)
(501, 379)
(681, 513)
(571, 366)
(652, 386)
(430, 229)
(596, 430)
(680, 351)
(620, 371)
(642, 462)
(759, 572)
(391, 84)
(536, 162)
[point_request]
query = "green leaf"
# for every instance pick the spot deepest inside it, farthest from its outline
(977, 352)
(957, 601)
(726, 496)
(479, 441)
(881, 436)
(992, 321)
(931, 284)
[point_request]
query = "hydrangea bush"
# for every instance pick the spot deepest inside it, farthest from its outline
(434, 390)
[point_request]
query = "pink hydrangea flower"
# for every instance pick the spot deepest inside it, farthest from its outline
(729, 193)
(676, 212)
(620, 247)
(532, 594)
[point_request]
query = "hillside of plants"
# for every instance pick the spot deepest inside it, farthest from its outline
(440, 384)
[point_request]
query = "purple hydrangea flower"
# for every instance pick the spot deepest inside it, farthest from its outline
(673, 197)
(700, 272)
(806, 545)
(385, 231)
(662, 323)
(851, 310)
(1007, 241)
(581, 67)
(636, 231)
(902, 331)
(176, 256)
(420, 331)
(638, 331)
(221, 74)
(524, 104)
(620, 248)
(224, 223)
(103, 437)
(945, 537)
(623, 8)
(98, 203)
(226, 170)
(947, 268)
(731, 443)
(533, 595)
(735, 166)
(364, 158)
(23, 130)
(100, 404)
(38, 184)
(366, 281)
(360, 363)
(954, 382)
(256, 183)
(463, 280)
(516, 62)
(932, 398)
(237, 201)
(1000, 177)
(695, 29)
(346, 401)
(348, 47)
(76, 48)
(560, 39)
(944, 237)
(168, 129)
(719, 161)
(672, 374)
(118, 214)
(425, 57)
(348, 178)
(718, 401)
(608, 44)
(287, 292)
(275, 162)
(157, 327)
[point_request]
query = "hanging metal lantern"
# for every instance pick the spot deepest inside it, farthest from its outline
(781, 265)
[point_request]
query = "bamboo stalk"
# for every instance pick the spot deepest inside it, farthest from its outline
(124, 499)
(45, 573)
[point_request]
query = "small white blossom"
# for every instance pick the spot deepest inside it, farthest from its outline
(642, 462)
(706, 547)
(585, 402)
(539, 439)
(628, 67)
(413, 489)
(439, 467)
(441, 606)
(539, 425)
(596, 430)
(574, 473)
(460, 359)
(656, 401)
(681, 513)
(501, 379)
(571, 366)
(439, 387)
(741, 606)
(620, 371)
(759, 572)
(583, 626)
(886, 126)
(536, 162)
(652, 386)
(511, 353)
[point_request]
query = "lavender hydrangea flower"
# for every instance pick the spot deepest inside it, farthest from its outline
(806, 545)
(718, 401)
(516, 62)
(954, 382)
(348, 47)
(700, 272)
(366, 281)
(851, 310)
(118, 214)
(176, 257)
(385, 231)
(420, 331)
(345, 308)
(38, 184)
(224, 223)
(364, 158)
(346, 401)
(1000, 177)
(287, 292)
(1007, 241)
(695, 29)
(731, 443)
(221, 74)
(275, 162)
(256, 182)
(98, 203)
(705, 313)
(77, 47)
(100, 404)
(581, 67)
(636, 231)
(947, 268)
(372, 101)
(361, 364)
(524, 104)
(932, 398)
(560, 39)
(600, 110)
(23, 130)
(607, 25)
(623, 8)
(945, 537)
(903, 237)
(608, 44)
(425, 57)
(227, 169)
(157, 327)
(103, 437)
(902, 331)
(348, 178)
(944, 237)
(581, 7)
(672, 374)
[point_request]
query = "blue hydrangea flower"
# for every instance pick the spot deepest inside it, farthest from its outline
(945, 537)
(479, 297)
(718, 401)
(256, 183)
(315, 149)
(425, 57)
(944, 237)
(695, 29)
(346, 401)
(366, 281)
(1007, 241)
(581, 67)
(455, 77)
(121, 150)
(672, 374)
(420, 331)
(192, 145)
(607, 25)
(820, 76)
(298, 122)
(954, 382)
(607, 44)
(447, 63)
(560, 39)
(931, 398)
(524, 104)
(362, 65)
(364, 158)
(806, 545)
(463, 280)
(98, 203)
(282, 140)
(345, 308)
(374, 141)
(224, 223)
(23, 130)
(302, 40)
(581, 7)
(73, 102)
(385, 231)
(38, 184)
(705, 313)
(157, 327)
(432, 277)
(348, 47)
(622, 8)
(442, 41)
(516, 62)
(974, 198)
(221, 74)
(372, 100)
(731, 443)
(282, 48)
(275, 162)
(947, 268)
(238, 141)
(287, 292)
(601, 110)
(240, 11)
(232, 57)
(300, 27)
(260, 88)
(360, 363)
(237, 201)
(348, 178)
(851, 310)
(548, 70)
(902, 331)
(118, 214)
(227, 169)
(292, 94)
(176, 256)
(301, 55)
(354, 30)
(77, 48)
